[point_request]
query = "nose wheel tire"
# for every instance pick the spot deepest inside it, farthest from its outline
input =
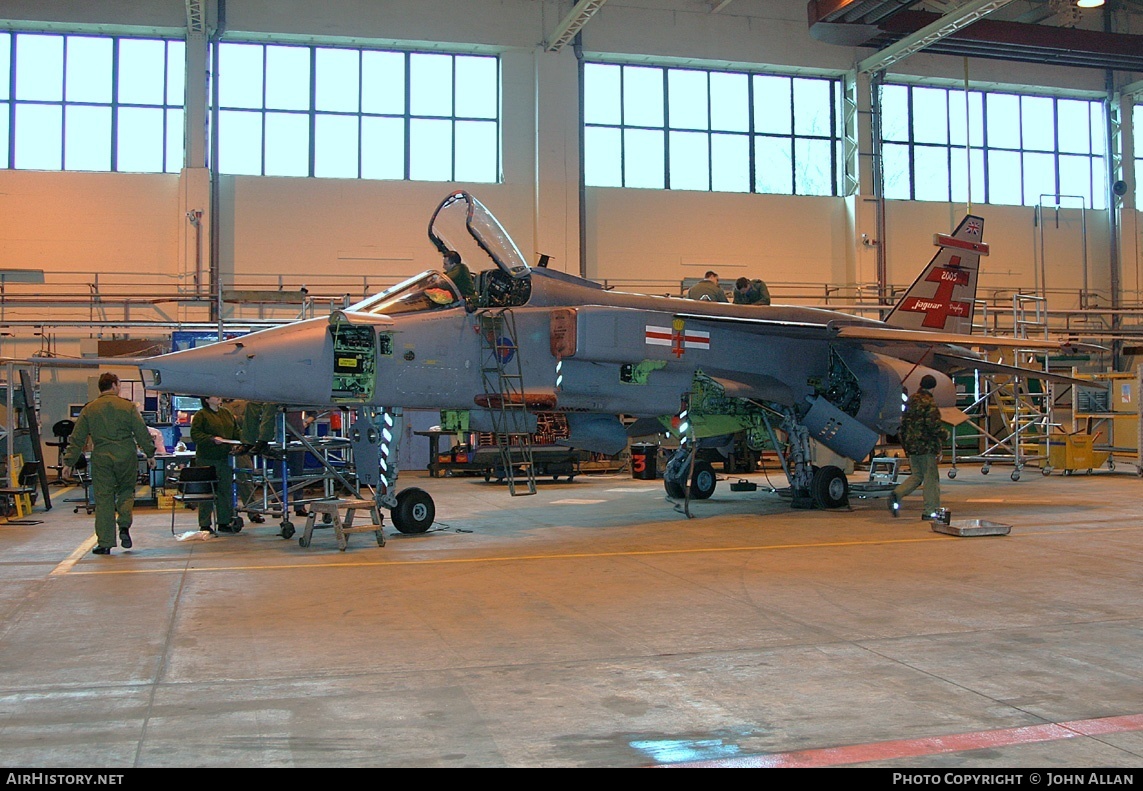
(703, 481)
(414, 512)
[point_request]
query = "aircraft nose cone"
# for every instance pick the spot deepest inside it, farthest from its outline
(289, 365)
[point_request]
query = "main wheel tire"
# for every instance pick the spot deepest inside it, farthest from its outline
(674, 489)
(703, 480)
(830, 488)
(414, 512)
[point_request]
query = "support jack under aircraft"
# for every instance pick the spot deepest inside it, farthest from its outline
(532, 339)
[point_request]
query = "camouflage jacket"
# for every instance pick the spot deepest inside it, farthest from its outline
(922, 431)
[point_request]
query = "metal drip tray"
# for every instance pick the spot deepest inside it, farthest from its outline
(972, 527)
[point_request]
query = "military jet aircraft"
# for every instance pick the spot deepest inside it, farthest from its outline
(533, 339)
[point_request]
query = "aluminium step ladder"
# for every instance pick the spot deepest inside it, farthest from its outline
(504, 388)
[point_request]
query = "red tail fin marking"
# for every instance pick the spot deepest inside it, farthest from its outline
(938, 309)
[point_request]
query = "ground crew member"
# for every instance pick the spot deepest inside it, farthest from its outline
(707, 289)
(922, 433)
(244, 413)
(215, 434)
(751, 292)
(257, 426)
(117, 434)
(460, 275)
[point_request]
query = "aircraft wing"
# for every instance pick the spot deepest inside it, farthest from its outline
(956, 362)
(950, 348)
(891, 335)
(883, 337)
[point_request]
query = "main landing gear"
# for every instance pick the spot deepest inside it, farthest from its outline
(810, 486)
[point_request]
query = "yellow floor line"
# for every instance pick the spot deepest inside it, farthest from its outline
(301, 564)
(65, 566)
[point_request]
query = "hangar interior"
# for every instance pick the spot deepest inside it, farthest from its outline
(174, 173)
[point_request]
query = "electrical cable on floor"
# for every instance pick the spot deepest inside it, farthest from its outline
(765, 472)
(438, 527)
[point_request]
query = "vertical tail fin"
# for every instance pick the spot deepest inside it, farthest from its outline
(942, 297)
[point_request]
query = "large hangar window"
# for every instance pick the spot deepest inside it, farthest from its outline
(1137, 129)
(97, 103)
(1021, 147)
(717, 131)
(358, 113)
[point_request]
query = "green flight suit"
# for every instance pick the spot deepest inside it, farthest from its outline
(243, 463)
(755, 293)
(255, 420)
(257, 424)
(205, 426)
(708, 291)
(461, 276)
(117, 433)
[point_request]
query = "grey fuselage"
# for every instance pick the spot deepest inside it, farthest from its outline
(618, 353)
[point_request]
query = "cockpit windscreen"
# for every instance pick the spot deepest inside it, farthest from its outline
(427, 291)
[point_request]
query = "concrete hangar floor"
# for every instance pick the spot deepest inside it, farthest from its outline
(590, 625)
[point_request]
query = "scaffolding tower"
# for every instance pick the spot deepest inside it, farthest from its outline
(1010, 417)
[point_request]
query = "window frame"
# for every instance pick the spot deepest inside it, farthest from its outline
(627, 134)
(416, 159)
(168, 115)
(993, 158)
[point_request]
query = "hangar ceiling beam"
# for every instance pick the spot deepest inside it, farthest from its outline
(957, 19)
(196, 17)
(572, 23)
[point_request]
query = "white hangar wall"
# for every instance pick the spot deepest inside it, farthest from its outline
(299, 229)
